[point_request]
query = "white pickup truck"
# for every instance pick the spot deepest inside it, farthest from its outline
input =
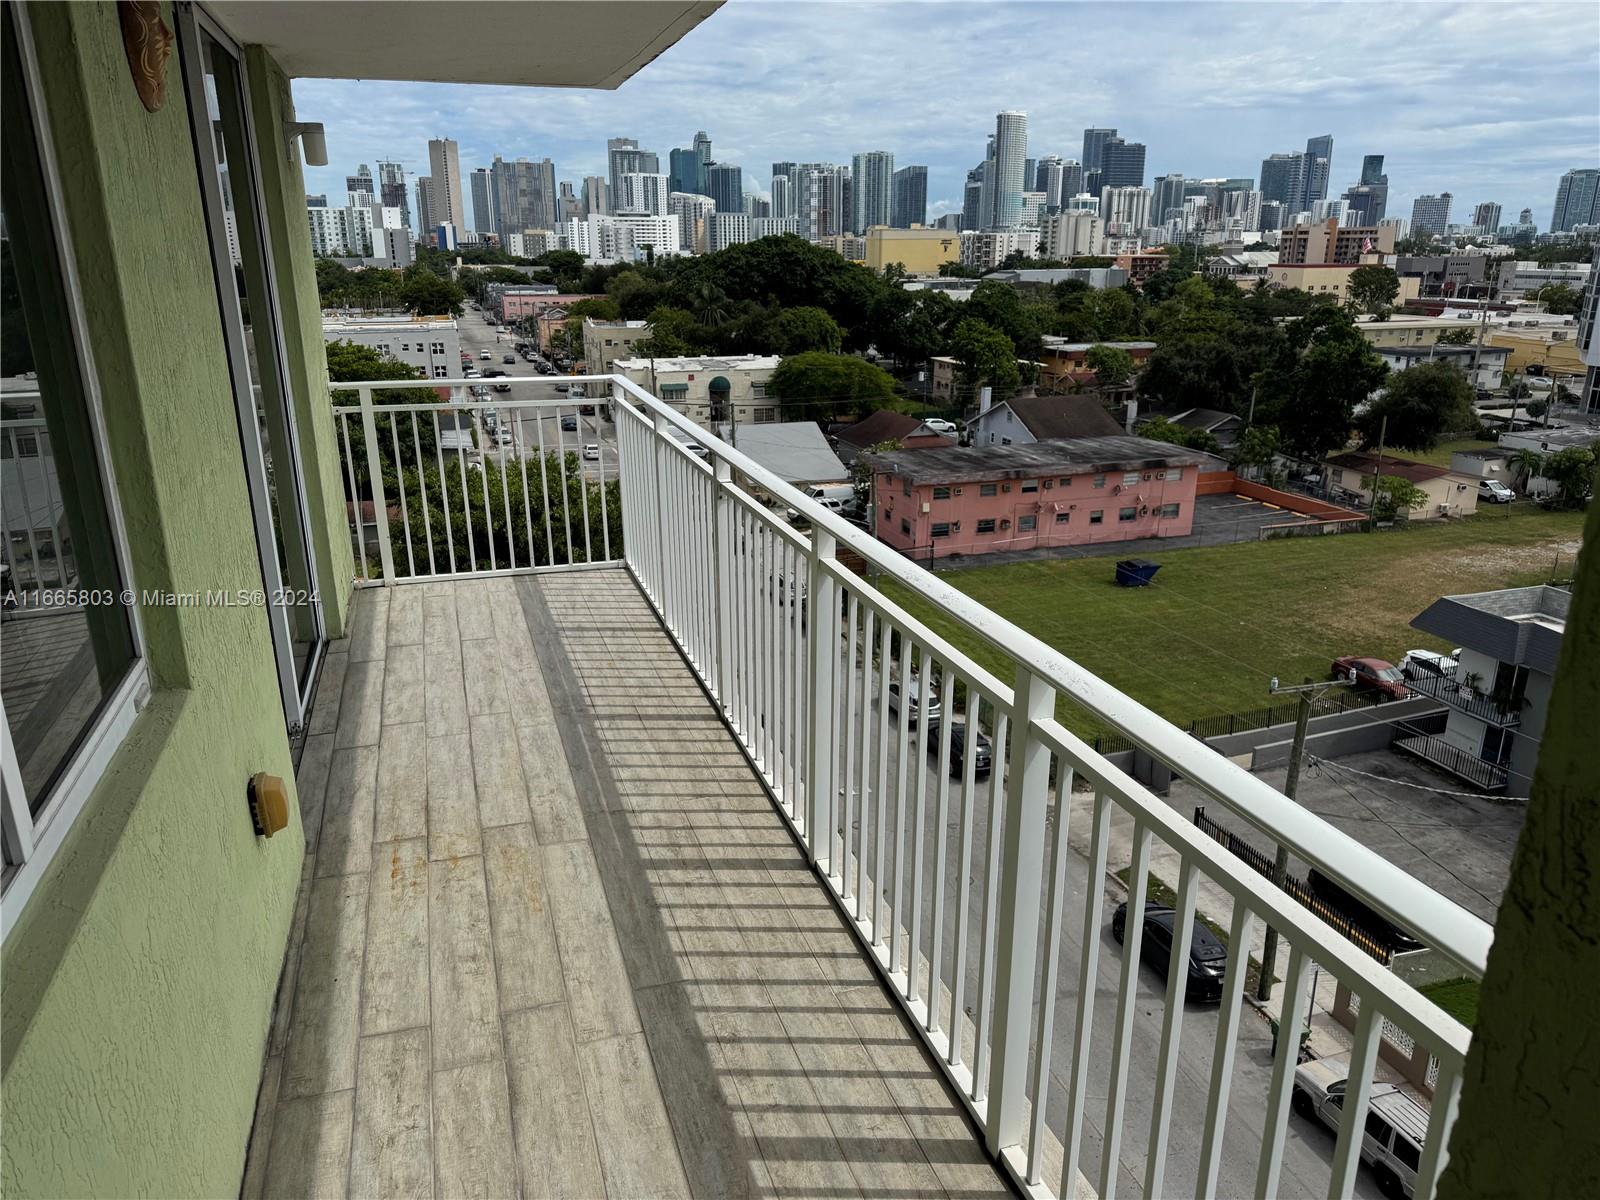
(1396, 1124)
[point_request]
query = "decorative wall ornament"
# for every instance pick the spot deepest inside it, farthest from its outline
(148, 43)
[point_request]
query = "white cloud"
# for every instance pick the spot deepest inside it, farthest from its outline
(1486, 100)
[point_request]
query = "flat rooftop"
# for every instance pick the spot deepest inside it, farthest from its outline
(730, 362)
(957, 464)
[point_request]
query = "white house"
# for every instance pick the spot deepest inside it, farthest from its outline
(709, 389)
(431, 343)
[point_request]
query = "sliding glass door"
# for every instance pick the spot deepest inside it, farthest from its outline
(214, 84)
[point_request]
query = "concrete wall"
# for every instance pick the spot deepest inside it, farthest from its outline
(138, 984)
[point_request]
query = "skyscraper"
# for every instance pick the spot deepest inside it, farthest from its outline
(1486, 217)
(425, 221)
(1283, 180)
(786, 168)
(702, 149)
(524, 195)
(725, 185)
(624, 157)
(1093, 141)
(1047, 177)
(1430, 214)
(360, 184)
(1121, 164)
(1166, 195)
(782, 196)
(642, 193)
(596, 199)
(1368, 200)
(392, 190)
(1071, 178)
(1010, 149)
(685, 172)
(972, 199)
(444, 162)
(819, 199)
(569, 204)
(1372, 169)
(482, 202)
(1319, 161)
(910, 204)
(871, 189)
(1577, 200)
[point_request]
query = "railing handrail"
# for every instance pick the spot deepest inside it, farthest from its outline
(1466, 699)
(1439, 921)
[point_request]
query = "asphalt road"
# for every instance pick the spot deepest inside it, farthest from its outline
(1308, 1147)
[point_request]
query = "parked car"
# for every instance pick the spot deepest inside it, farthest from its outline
(569, 424)
(591, 452)
(485, 355)
(1208, 957)
(915, 701)
(1336, 897)
(940, 425)
(586, 410)
(508, 358)
(1372, 675)
(1396, 1125)
(504, 438)
(1495, 492)
(1419, 663)
(982, 761)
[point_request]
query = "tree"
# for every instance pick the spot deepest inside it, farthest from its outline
(1160, 429)
(1112, 365)
(815, 386)
(1457, 337)
(1559, 298)
(1257, 447)
(1525, 465)
(673, 334)
(1394, 494)
(987, 356)
(796, 330)
(428, 294)
(1572, 471)
(1419, 404)
(1310, 390)
(1372, 289)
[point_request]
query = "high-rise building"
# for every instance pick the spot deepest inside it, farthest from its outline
(569, 204)
(1092, 182)
(871, 189)
(1486, 217)
(1525, 217)
(1430, 214)
(318, 201)
(728, 229)
(1125, 210)
(725, 185)
(642, 193)
(425, 212)
(1093, 141)
(392, 191)
(596, 197)
(1069, 235)
(1121, 164)
(623, 157)
(909, 205)
(1367, 201)
(524, 195)
(782, 196)
(1372, 169)
(1048, 176)
(694, 217)
(360, 183)
(819, 199)
(1577, 200)
(756, 206)
(444, 162)
(702, 147)
(1166, 196)
(1010, 149)
(1071, 179)
(1319, 161)
(786, 169)
(685, 174)
(972, 199)
(482, 202)
(1283, 180)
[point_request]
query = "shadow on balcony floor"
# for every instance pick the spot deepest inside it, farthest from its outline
(553, 940)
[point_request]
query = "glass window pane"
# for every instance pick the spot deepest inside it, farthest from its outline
(67, 641)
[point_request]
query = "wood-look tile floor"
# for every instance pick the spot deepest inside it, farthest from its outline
(553, 940)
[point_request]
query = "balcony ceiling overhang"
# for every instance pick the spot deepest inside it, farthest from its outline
(562, 43)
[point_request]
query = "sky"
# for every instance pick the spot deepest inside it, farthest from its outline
(1489, 101)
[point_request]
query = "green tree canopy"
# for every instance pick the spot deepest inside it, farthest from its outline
(1394, 494)
(1573, 472)
(1458, 337)
(816, 386)
(428, 294)
(796, 330)
(1112, 365)
(987, 356)
(1419, 405)
(1311, 388)
(1256, 447)
(1372, 289)
(673, 334)
(1559, 298)
(1162, 430)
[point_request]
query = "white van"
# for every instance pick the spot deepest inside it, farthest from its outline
(842, 492)
(1396, 1125)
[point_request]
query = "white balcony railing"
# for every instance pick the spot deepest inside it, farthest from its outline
(957, 886)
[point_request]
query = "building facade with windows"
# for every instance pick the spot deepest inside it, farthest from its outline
(606, 341)
(984, 499)
(709, 390)
(432, 344)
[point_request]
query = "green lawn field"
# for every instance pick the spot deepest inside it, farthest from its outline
(1221, 621)
(1439, 456)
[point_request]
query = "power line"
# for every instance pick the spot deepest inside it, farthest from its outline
(1421, 787)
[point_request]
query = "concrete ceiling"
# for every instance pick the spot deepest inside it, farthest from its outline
(533, 43)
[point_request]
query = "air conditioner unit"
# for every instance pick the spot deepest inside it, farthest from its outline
(926, 507)
(1117, 491)
(1005, 487)
(1005, 523)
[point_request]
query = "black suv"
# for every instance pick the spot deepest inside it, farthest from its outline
(982, 761)
(1208, 957)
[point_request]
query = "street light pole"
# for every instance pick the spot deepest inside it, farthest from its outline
(1309, 692)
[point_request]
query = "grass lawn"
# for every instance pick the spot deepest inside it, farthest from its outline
(1458, 997)
(1220, 621)
(1439, 456)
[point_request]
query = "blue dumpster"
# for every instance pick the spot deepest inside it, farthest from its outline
(1136, 572)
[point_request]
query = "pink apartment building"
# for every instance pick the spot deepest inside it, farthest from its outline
(983, 499)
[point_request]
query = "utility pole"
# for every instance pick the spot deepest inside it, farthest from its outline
(1377, 473)
(1309, 693)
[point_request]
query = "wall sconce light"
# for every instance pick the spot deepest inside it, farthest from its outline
(313, 143)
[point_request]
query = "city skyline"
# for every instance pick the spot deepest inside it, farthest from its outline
(793, 82)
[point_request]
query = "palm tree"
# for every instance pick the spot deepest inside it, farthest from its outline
(709, 304)
(1525, 464)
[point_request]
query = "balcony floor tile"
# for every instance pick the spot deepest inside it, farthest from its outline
(558, 942)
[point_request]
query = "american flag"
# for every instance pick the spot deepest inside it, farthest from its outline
(1366, 246)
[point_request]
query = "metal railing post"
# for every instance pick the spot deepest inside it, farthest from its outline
(722, 569)
(380, 507)
(1021, 881)
(660, 426)
(819, 614)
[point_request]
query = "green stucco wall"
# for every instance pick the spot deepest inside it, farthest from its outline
(138, 985)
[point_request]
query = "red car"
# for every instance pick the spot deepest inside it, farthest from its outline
(1373, 675)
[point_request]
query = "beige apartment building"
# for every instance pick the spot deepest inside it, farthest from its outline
(606, 341)
(1328, 242)
(1330, 279)
(920, 249)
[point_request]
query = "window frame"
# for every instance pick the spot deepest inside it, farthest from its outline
(985, 521)
(31, 842)
(1028, 523)
(1128, 512)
